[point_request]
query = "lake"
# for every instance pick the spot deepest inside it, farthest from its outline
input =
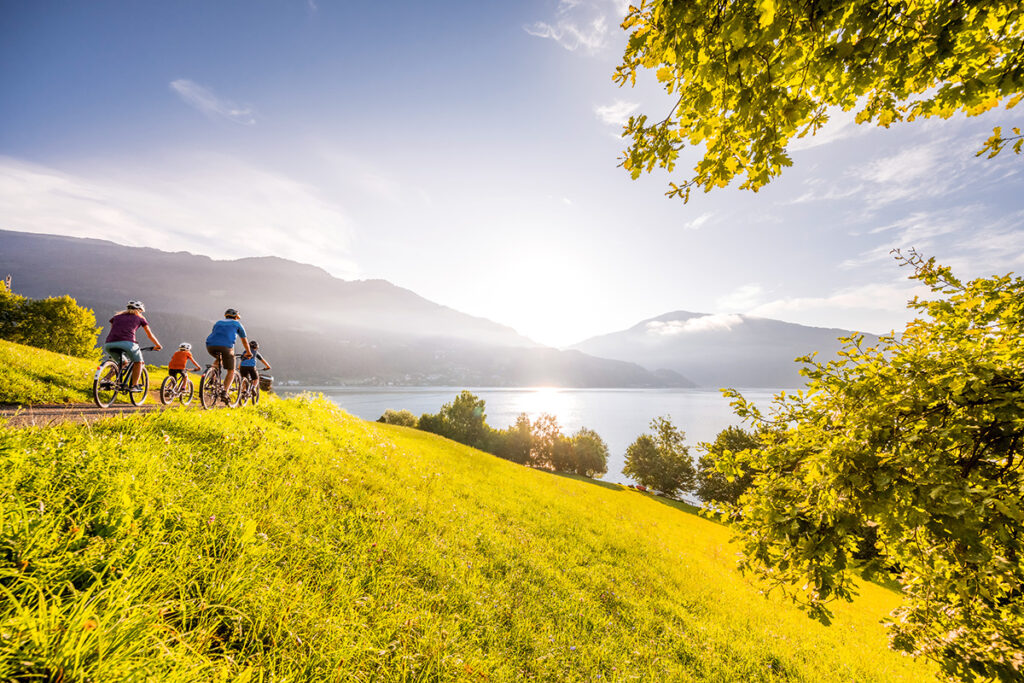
(618, 415)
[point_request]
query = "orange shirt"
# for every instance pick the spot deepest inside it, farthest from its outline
(179, 359)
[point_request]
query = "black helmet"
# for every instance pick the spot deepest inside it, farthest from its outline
(253, 344)
(231, 313)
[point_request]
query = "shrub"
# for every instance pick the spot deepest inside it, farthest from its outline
(402, 418)
(56, 324)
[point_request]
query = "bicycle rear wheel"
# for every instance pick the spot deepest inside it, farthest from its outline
(186, 394)
(209, 388)
(104, 384)
(235, 392)
(255, 393)
(139, 397)
(167, 390)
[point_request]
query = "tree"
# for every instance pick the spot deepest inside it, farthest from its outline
(546, 437)
(712, 485)
(922, 438)
(56, 324)
(590, 453)
(661, 461)
(404, 418)
(515, 442)
(747, 76)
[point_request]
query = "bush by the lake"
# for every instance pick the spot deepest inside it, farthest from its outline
(403, 418)
(920, 438)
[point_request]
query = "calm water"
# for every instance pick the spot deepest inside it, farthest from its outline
(618, 415)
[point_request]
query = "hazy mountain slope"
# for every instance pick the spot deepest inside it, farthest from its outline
(719, 350)
(313, 327)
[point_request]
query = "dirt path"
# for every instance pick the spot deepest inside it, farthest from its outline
(49, 414)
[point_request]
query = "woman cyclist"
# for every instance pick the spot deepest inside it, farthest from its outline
(248, 365)
(121, 342)
(221, 345)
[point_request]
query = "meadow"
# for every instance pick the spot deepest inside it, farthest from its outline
(293, 542)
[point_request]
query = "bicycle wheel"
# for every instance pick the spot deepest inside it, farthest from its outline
(167, 390)
(235, 392)
(104, 384)
(139, 397)
(255, 393)
(209, 388)
(186, 394)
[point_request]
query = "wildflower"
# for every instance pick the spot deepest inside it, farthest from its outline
(212, 519)
(90, 625)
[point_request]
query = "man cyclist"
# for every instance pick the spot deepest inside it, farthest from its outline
(247, 366)
(221, 345)
(120, 342)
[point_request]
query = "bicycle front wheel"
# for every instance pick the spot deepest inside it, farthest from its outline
(209, 389)
(167, 390)
(104, 384)
(139, 397)
(235, 392)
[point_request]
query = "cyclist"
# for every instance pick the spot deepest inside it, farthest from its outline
(121, 342)
(221, 345)
(248, 365)
(180, 360)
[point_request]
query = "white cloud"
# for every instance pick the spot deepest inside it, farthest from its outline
(699, 221)
(705, 323)
(742, 298)
(206, 101)
(206, 204)
(617, 113)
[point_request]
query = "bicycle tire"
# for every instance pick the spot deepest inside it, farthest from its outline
(104, 384)
(235, 392)
(255, 393)
(139, 397)
(167, 390)
(209, 388)
(186, 395)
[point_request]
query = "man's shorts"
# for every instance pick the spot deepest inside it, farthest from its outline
(119, 349)
(250, 372)
(225, 354)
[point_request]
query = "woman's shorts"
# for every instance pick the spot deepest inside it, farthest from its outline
(225, 354)
(250, 372)
(119, 349)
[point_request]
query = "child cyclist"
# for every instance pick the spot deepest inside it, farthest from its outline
(221, 345)
(120, 342)
(247, 366)
(180, 360)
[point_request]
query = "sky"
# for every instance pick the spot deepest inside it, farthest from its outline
(467, 151)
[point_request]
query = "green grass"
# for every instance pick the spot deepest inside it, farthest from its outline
(292, 542)
(30, 376)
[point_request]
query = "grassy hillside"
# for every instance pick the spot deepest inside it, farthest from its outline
(291, 542)
(29, 375)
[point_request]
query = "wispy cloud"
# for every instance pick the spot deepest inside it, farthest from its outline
(208, 102)
(577, 24)
(705, 323)
(617, 113)
(699, 221)
(199, 203)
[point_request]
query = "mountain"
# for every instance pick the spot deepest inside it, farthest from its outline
(720, 350)
(312, 326)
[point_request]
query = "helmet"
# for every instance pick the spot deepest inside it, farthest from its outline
(136, 306)
(185, 346)
(231, 313)
(253, 344)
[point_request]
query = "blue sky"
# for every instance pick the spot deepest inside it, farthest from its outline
(467, 151)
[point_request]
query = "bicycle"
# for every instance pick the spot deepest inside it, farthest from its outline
(114, 376)
(250, 391)
(211, 388)
(181, 388)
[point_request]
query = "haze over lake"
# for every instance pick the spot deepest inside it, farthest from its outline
(618, 415)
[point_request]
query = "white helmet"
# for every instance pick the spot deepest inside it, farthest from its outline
(136, 306)
(185, 346)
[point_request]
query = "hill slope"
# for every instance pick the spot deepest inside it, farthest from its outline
(313, 327)
(720, 350)
(293, 542)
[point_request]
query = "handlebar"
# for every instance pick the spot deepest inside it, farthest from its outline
(147, 348)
